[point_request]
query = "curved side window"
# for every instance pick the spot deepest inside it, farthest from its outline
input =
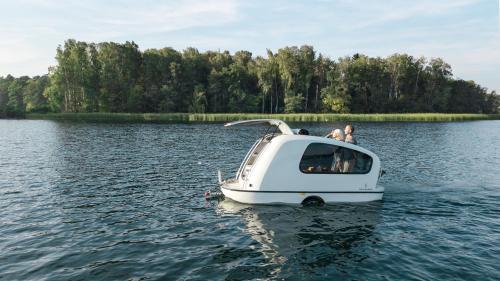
(322, 158)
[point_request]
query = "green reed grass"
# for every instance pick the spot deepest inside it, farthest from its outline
(226, 117)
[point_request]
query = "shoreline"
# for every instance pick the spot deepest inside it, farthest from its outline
(226, 117)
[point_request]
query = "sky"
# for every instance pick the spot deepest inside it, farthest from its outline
(465, 33)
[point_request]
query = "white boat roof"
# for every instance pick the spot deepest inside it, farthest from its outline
(282, 126)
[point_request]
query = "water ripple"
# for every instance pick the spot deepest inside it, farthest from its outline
(123, 202)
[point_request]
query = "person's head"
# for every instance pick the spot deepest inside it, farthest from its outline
(303, 132)
(349, 129)
(338, 135)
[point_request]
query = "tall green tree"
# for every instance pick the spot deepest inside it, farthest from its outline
(199, 100)
(74, 82)
(265, 81)
(307, 61)
(15, 103)
(194, 74)
(119, 72)
(33, 96)
(218, 80)
(336, 95)
(322, 66)
(4, 94)
(437, 90)
(159, 77)
(288, 59)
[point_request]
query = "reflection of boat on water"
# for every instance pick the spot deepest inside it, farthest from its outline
(284, 166)
(307, 237)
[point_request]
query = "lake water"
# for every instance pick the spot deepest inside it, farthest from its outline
(82, 201)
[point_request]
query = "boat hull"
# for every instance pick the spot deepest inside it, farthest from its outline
(294, 197)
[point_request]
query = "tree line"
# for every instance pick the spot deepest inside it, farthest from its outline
(113, 77)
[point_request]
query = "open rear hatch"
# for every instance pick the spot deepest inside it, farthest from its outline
(259, 145)
(282, 126)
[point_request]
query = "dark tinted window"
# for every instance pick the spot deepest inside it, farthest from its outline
(330, 159)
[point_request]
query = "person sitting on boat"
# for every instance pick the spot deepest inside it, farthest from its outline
(349, 130)
(332, 133)
(338, 156)
(349, 154)
(303, 132)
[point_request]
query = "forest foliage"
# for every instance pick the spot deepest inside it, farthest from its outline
(114, 77)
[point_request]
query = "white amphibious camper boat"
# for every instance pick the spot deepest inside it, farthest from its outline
(284, 166)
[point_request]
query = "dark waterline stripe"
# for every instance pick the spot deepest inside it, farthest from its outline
(275, 191)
